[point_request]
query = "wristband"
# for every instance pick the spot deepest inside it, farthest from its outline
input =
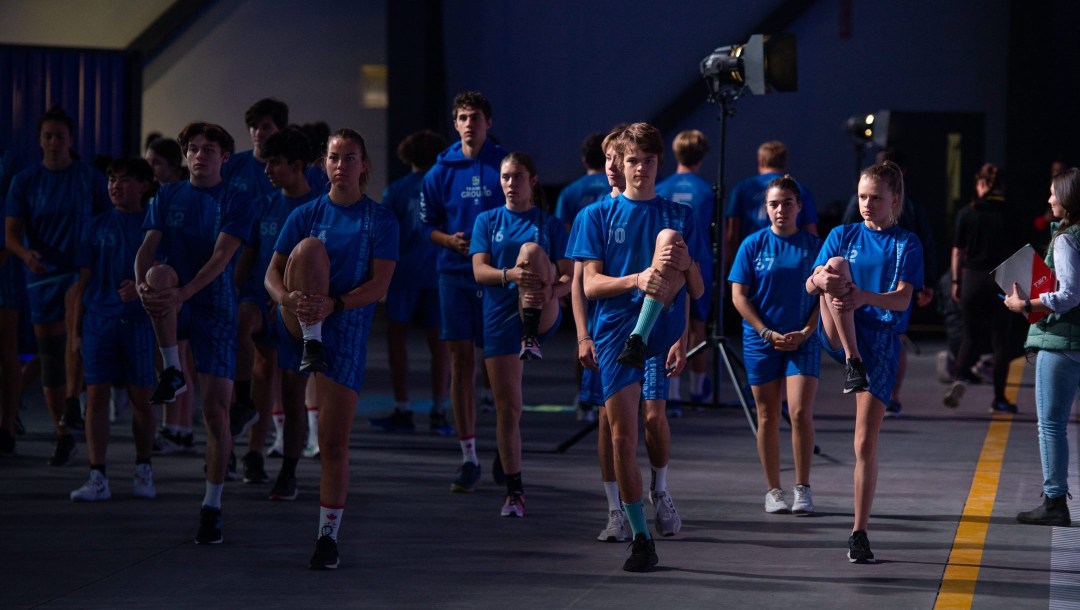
(764, 332)
(339, 305)
(584, 339)
(1027, 305)
(504, 276)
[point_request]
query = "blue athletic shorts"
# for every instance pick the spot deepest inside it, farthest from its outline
(344, 339)
(12, 283)
(461, 307)
(655, 386)
(46, 295)
(118, 349)
(211, 332)
(592, 388)
(880, 349)
(666, 332)
(403, 304)
(764, 363)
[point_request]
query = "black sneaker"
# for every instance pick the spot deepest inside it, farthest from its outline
(253, 468)
(242, 416)
(209, 526)
(892, 410)
(468, 476)
(642, 555)
(440, 425)
(326, 555)
(7, 444)
(170, 385)
(398, 421)
(284, 488)
(1054, 511)
(859, 548)
(1002, 406)
(530, 349)
(855, 376)
(633, 353)
(62, 450)
(72, 418)
(314, 359)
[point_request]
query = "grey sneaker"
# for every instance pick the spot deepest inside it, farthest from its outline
(144, 482)
(616, 530)
(96, 488)
(668, 522)
(775, 502)
(804, 500)
(954, 394)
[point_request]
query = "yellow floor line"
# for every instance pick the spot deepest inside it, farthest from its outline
(965, 559)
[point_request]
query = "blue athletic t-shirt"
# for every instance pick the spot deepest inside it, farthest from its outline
(747, 203)
(353, 236)
(775, 269)
(501, 233)
(621, 233)
(453, 194)
(879, 260)
(586, 190)
(108, 248)
(416, 261)
(246, 173)
(270, 215)
(694, 191)
(55, 207)
(190, 219)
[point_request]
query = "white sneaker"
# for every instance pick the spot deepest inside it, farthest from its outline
(668, 522)
(775, 502)
(311, 449)
(616, 530)
(277, 448)
(144, 482)
(804, 500)
(96, 488)
(954, 394)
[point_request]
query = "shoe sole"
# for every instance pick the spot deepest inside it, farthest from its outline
(323, 567)
(613, 539)
(182, 389)
(862, 561)
(282, 498)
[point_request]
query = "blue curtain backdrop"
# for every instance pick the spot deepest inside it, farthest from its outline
(96, 87)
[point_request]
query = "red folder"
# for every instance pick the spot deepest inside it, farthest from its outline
(1027, 269)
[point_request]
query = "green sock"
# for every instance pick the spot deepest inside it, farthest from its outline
(635, 513)
(650, 311)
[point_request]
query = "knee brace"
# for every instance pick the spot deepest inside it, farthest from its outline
(52, 350)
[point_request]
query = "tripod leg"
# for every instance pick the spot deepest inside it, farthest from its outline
(576, 438)
(737, 387)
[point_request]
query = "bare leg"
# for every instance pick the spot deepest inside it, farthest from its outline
(338, 405)
(143, 422)
(840, 326)
(294, 387)
(97, 422)
(73, 368)
(622, 411)
(505, 375)
(216, 396)
(532, 257)
(767, 399)
(265, 393)
(440, 366)
(604, 450)
(676, 278)
(657, 433)
(161, 277)
(801, 390)
(53, 390)
(868, 416)
(462, 378)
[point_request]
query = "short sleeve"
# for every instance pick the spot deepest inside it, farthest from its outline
(481, 230)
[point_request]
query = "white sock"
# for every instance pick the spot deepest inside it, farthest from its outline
(611, 490)
(468, 450)
(673, 389)
(171, 357)
(312, 332)
(329, 521)
(697, 382)
(659, 479)
(313, 425)
(279, 422)
(213, 495)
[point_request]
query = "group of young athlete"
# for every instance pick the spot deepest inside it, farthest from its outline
(256, 277)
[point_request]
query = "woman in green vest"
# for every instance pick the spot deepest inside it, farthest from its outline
(1057, 339)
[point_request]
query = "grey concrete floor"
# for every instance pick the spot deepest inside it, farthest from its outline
(407, 542)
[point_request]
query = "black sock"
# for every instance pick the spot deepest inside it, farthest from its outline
(513, 484)
(530, 319)
(288, 466)
(243, 391)
(98, 467)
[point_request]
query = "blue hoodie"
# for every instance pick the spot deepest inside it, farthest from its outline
(455, 190)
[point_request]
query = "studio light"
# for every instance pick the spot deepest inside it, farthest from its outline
(860, 127)
(765, 64)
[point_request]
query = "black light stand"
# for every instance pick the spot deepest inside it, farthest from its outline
(723, 97)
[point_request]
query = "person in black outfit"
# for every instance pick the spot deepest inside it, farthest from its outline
(986, 235)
